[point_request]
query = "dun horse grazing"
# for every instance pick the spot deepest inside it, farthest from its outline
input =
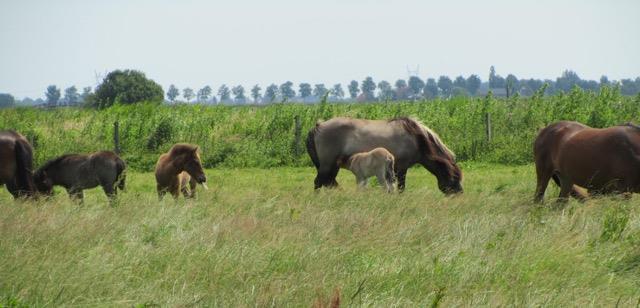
(16, 155)
(410, 142)
(377, 162)
(77, 172)
(601, 160)
(177, 167)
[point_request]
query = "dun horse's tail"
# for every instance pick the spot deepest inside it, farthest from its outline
(24, 167)
(121, 170)
(389, 171)
(311, 146)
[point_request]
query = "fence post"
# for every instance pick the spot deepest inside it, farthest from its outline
(298, 134)
(116, 137)
(487, 126)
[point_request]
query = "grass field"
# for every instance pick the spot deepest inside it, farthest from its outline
(263, 237)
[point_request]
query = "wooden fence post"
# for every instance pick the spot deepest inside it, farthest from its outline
(487, 126)
(298, 134)
(116, 137)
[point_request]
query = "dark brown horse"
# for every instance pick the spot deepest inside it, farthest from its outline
(181, 157)
(77, 172)
(601, 160)
(332, 142)
(16, 167)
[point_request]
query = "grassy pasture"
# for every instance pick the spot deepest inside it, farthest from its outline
(263, 237)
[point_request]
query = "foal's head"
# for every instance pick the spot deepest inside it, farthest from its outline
(186, 158)
(43, 182)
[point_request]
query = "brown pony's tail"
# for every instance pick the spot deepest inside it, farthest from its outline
(122, 174)
(24, 168)
(311, 146)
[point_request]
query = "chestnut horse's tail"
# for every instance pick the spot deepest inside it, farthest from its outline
(24, 167)
(311, 146)
(122, 173)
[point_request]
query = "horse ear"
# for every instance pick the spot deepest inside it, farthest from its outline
(195, 149)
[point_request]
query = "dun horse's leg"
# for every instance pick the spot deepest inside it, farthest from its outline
(333, 175)
(110, 191)
(543, 177)
(401, 175)
(326, 177)
(362, 182)
(192, 185)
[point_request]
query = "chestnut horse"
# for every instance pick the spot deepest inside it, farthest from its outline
(170, 166)
(410, 142)
(77, 172)
(16, 155)
(377, 162)
(603, 160)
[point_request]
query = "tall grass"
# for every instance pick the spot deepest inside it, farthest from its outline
(263, 136)
(263, 237)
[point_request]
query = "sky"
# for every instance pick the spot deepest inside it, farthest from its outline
(193, 43)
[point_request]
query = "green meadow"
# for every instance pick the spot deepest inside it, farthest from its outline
(263, 237)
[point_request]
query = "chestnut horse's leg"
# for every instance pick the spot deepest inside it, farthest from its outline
(543, 176)
(575, 192)
(566, 188)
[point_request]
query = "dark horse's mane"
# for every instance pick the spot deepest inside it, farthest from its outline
(180, 148)
(52, 162)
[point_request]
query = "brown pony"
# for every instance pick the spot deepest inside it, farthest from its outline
(601, 160)
(77, 172)
(170, 166)
(410, 142)
(16, 155)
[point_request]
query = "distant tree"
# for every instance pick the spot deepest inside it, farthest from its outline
(7, 100)
(27, 101)
(337, 92)
(172, 93)
(187, 93)
(368, 88)
(416, 85)
(286, 90)
(52, 95)
(255, 93)
(386, 91)
(71, 96)
(533, 84)
(473, 84)
(204, 94)
(431, 88)
(401, 89)
(458, 91)
(511, 84)
(224, 93)
(271, 93)
(495, 81)
(567, 81)
(628, 87)
(604, 81)
(86, 94)
(319, 90)
(354, 89)
(238, 94)
(446, 85)
(304, 90)
(127, 87)
(460, 82)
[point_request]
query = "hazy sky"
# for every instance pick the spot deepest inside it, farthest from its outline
(196, 43)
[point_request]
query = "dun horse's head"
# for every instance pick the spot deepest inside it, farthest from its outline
(189, 159)
(43, 183)
(442, 163)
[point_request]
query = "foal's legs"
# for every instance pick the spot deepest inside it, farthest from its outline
(362, 182)
(76, 194)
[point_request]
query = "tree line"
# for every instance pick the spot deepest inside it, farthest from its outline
(130, 86)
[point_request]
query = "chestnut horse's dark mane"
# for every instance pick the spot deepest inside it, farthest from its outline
(629, 124)
(181, 148)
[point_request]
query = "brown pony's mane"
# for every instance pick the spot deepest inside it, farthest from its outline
(416, 128)
(181, 148)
